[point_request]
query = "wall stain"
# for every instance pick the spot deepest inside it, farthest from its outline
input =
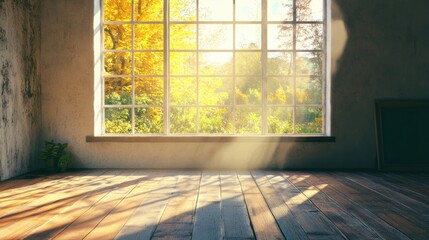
(5, 90)
(3, 38)
(20, 103)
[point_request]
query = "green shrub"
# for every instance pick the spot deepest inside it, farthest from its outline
(55, 156)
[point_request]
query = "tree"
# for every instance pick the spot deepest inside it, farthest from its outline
(134, 70)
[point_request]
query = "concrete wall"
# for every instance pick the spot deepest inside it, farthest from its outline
(20, 109)
(380, 49)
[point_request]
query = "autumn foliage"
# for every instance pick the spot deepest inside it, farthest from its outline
(197, 77)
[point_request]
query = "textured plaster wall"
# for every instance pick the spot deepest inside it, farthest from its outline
(20, 104)
(380, 49)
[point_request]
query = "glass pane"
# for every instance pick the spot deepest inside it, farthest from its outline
(215, 37)
(215, 63)
(309, 10)
(117, 36)
(219, 10)
(115, 10)
(117, 63)
(279, 63)
(215, 91)
(248, 120)
(149, 37)
(280, 90)
(117, 120)
(309, 36)
(215, 120)
(280, 36)
(280, 120)
(248, 10)
(183, 36)
(183, 91)
(149, 63)
(309, 63)
(149, 120)
(248, 90)
(149, 91)
(309, 120)
(248, 63)
(148, 10)
(183, 63)
(117, 91)
(248, 36)
(183, 10)
(183, 120)
(309, 90)
(280, 10)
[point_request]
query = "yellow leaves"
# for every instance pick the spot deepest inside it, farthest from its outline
(117, 37)
(183, 36)
(117, 10)
(149, 63)
(148, 10)
(149, 37)
(301, 95)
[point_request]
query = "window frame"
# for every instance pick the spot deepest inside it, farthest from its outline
(99, 98)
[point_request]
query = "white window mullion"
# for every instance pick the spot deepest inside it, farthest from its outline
(264, 63)
(294, 66)
(133, 35)
(166, 20)
(234, 81)
(103, 97)
(197, 67)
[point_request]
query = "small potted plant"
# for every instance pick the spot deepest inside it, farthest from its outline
(55, 156)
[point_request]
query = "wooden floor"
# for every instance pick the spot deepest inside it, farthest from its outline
(144, 204)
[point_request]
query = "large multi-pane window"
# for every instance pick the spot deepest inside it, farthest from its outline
(203, 67)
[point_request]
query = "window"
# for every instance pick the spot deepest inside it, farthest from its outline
(204, 67)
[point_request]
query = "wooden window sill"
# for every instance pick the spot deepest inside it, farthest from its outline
(127, 138)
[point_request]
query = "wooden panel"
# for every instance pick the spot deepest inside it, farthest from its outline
(341, 194)
(285, 219)
(21, 220)
(314, 223)
(208, 214)
(347, 223)
(86, 222)
(142, 224)
(177, 218)
(263, 222)
(414, 226)
(155, 204)
(234, 213)
(112, 224)
(402, 134)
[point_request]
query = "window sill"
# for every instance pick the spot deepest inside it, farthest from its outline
(124, 138)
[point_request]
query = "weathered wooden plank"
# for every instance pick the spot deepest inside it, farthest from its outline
(234, 213)
(414, 226)
(25, 219)
(314, 223)
(208, 224)
(143, 223)
(178, 216)
(349, 225)
(408, 183)
(14, 198)
(404, 200)
(112, 224)
(263, 222)
(288, 224)
(86, 222)
(342, 196)
(409, 190)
